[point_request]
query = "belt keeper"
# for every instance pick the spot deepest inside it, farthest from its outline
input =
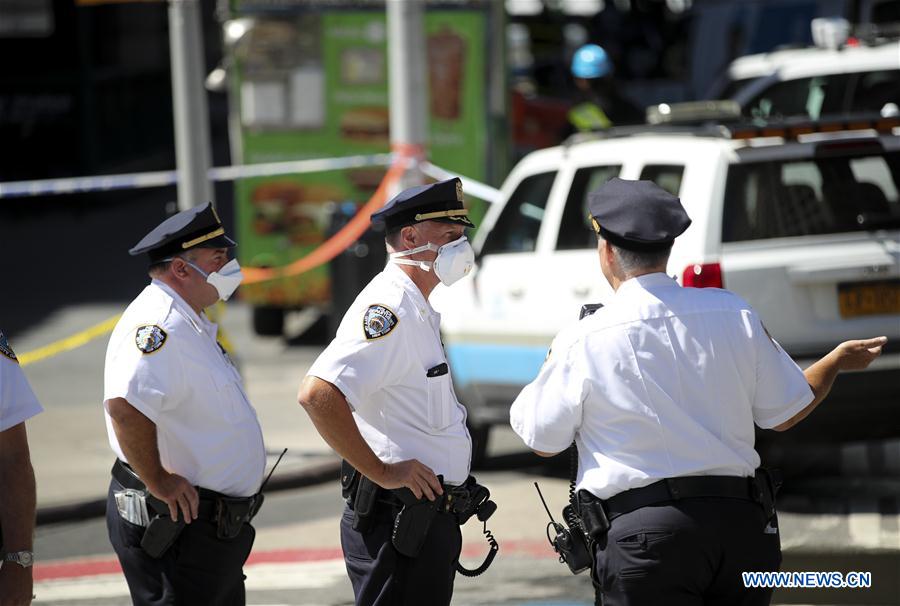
(673, 488)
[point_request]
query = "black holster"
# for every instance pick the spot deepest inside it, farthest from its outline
(766, 483)
(412, 523)
(593, 516)
(162, 531)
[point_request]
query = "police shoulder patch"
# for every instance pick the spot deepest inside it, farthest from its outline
(149, 338)
(6, 349)
(378, 321)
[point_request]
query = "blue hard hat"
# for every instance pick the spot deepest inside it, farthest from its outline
(591, 61)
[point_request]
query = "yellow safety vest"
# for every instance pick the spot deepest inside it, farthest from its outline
(587, 117)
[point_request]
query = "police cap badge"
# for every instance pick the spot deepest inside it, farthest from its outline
(441, 201)
(149, 338)
(378, 321)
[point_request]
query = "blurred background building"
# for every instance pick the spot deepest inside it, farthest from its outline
(85, 89)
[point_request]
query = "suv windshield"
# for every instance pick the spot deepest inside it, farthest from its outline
(822, 195)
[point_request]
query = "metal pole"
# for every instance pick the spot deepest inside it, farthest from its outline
(408, 79)
(192, 144)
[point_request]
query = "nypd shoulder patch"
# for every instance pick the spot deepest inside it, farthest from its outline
(149, 338)
(378, 321)
(6, 349)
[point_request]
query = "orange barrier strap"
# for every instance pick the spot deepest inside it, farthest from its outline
(348, 234)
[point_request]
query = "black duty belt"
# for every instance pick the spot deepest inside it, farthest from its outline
(207, 508)
(673, 489)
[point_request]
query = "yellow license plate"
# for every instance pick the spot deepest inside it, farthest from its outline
(869, 298)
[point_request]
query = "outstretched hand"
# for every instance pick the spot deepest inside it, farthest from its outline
(412, 474)
(858, 354)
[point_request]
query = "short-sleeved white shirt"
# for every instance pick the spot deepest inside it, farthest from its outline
(207, 431)
(17, 401)
(663, 382)
(401, 413)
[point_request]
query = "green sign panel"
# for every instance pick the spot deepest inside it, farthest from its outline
(315, 85)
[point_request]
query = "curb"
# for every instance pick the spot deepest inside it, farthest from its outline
(96, 508)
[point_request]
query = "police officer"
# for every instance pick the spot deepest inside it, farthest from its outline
(17, 490)
(189, 448)
(601, 105)
(659, 390)
(381, 395)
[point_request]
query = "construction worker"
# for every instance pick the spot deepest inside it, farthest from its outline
(601, 105)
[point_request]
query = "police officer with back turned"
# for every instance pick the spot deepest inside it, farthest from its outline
(660, 390)
(381, 395)
(190, 450)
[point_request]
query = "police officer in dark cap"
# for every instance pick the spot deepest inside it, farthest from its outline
(381, 395)
(660, 390)
(189, 449)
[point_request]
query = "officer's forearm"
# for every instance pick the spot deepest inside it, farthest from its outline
(137, 438)
(820, 376)
(328, 410)
(17, 490)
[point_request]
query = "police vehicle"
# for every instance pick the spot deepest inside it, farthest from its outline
(801, 219)
(840, 74)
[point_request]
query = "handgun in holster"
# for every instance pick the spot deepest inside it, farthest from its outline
(162, 531)
(412, 523)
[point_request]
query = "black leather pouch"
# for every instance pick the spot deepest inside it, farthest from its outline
(231, 515)
(160, 534)
(411, 526)
(364, 504)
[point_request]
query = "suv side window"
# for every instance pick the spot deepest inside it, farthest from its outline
(667, 176)
(574, 230)
(518, 225)
(779, 199)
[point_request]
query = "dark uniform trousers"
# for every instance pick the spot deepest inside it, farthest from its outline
(199, 568)
(383, 577)
(687, 553)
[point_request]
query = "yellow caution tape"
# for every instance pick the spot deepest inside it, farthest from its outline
(69, 343)
(103, 328)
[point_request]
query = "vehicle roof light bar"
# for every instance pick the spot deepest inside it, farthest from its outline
(792, 131)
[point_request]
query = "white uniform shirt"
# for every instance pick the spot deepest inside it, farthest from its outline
(17, 401)
(401, 413)
(207, 431)
(662, 382)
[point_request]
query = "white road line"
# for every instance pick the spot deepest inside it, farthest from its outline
(864, 528)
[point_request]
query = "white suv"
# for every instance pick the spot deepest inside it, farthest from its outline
(817, 82)
(804, 225)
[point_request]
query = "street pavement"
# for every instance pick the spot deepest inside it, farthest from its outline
(296, 558)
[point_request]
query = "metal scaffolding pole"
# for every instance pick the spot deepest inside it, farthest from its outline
(408, 79)
(192, 143)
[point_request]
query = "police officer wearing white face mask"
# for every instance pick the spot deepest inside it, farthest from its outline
(381, 395)
(189, 448)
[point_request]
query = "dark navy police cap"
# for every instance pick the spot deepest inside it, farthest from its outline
(198, 227)
(441, 201)
(636, 215)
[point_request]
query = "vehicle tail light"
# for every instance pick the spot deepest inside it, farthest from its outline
(703, 275)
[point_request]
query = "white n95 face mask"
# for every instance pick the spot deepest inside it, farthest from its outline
(226, 280)
(454, 260)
